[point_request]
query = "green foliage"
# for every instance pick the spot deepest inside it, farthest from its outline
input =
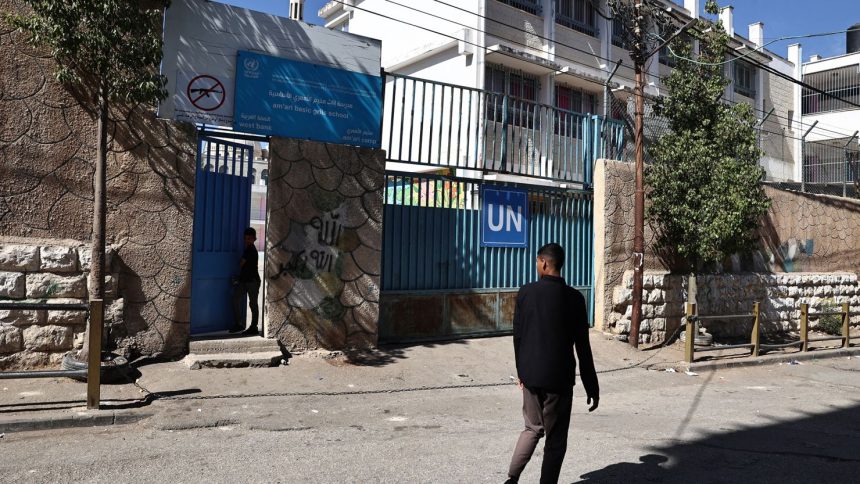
(830, 323)
(706, 198)
(109, 46)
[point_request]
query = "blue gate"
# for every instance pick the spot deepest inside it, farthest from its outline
(222, 211)
(433, 260)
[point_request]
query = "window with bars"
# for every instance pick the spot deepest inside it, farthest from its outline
(666, 58)
(618, 33)
(522, 89)
(531, 6)
(745, 79)
(578, 15)
(843, 83)
(576, 100)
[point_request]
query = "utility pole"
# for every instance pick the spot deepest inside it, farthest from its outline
(638, 57)
(642, 15)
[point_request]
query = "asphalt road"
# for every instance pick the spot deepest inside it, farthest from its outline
(785, 424)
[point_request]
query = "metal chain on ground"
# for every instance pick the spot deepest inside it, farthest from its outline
(161, 396)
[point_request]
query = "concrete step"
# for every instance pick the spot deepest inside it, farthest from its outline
(219, 344)
(257, 359)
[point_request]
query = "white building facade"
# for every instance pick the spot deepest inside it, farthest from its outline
(559, 53)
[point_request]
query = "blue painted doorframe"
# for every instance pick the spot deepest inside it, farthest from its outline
(222, 198)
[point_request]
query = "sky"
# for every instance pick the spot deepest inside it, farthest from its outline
(780, 17)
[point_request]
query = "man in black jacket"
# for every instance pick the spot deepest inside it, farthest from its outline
(550, 320)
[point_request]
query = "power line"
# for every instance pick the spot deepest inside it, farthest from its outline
(520, 29)
(536, 35)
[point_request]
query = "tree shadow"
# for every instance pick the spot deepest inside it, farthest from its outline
(816, 447)
(392, 353)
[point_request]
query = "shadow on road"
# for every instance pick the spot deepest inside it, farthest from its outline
(391, 353)
(820, 448)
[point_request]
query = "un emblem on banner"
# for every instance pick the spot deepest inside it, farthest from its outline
(251, 64)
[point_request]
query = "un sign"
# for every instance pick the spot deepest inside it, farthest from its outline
(504, 217)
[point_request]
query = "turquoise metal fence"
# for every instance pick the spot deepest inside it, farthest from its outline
(434, 123)
(431, 236)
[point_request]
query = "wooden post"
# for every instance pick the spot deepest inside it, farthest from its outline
(756, 332)
(94, 362)
(691, 333)
(846, 326)
(804, 327)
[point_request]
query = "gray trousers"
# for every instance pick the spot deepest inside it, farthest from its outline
(545, 413)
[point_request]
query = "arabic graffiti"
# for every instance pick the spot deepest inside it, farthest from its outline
(328, 231)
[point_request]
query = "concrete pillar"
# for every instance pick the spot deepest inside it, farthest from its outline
(756, 33)
(323, 245)
(694, 7)
(727, 19)
(297, 9)
(795, 56)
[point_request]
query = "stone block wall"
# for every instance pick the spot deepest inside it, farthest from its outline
(801, 233)
(47, 148)
(324, 245)
(53, 274)
(779, 295)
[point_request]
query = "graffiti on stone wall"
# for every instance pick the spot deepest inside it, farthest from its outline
(324, 245)
(792, 253)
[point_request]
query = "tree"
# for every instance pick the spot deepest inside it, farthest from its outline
(706, 198)
(111, 49)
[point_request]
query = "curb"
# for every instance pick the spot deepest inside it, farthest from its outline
(775, 359)
(75, 421)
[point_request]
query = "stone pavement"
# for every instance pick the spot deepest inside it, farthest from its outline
(306, 423)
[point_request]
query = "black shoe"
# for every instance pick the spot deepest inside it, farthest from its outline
(252, 331)
(512, 480)
(235, 330)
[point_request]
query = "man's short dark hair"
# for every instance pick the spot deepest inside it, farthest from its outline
(250, 231)
(553, 253)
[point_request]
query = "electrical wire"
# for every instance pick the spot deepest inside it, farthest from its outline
(544, 38)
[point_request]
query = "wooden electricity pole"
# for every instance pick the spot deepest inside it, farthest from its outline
(640, 53)
(638, 57)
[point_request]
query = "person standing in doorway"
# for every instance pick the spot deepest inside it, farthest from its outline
(550, 320)
(247, 284)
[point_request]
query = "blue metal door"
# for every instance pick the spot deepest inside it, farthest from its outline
(221, 213)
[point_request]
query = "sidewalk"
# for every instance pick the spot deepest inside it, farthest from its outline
(38, 404)
(31, 404)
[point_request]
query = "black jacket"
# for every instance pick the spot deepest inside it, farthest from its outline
(550, 320)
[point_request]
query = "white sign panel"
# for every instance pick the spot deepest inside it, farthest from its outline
(202, 40)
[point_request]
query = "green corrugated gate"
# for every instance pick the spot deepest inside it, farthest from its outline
(437, 279)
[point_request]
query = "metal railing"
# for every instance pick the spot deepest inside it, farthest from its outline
(833, 164)
(446, 125)
(95, 309)
(755, 345)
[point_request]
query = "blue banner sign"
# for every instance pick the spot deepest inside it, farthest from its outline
(504, 217)
(282, 97)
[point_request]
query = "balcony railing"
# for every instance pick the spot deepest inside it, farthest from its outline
(445, 125)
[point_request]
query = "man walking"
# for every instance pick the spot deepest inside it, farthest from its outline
(550, 320)
(247, 284)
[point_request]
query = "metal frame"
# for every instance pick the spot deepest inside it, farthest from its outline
(755, 344)
(96, 325)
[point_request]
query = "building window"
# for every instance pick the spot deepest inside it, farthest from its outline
(666, 58)
(843, 83)
(264, 177)
(344, 27)
(577, 15)
(530, 6)
(522, 91)
(618, 33)
(569, 100)
(745, 80)
(575, 100)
